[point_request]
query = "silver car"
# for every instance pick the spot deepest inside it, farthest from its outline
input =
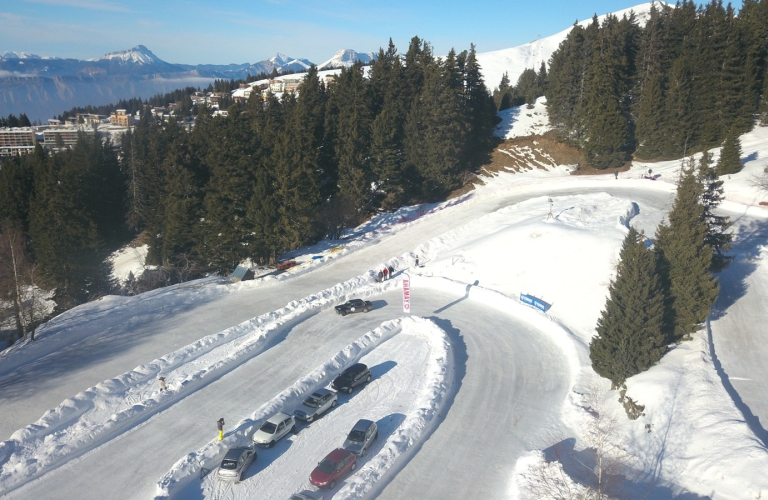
(361, 436)
(274, 428)
(235, 463)
(315, 405)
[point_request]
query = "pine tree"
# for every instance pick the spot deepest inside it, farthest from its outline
(605, 113)
(16, 184)
(502, 96)
(730, 155)
(686, 260)
(718, 237)
(629, 331)
(352, 125)
(227, 234)
(436, 132)
(479, 112)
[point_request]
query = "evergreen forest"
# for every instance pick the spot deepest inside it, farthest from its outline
(271, 176)
(692, 76)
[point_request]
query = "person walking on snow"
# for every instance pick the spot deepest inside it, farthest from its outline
(616, 173)
(386, 272)
(391, 271)
(381, 276)
(161, 382)
(220, 425)
(417, 261)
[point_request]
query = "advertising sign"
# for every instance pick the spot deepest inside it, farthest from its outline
(534, 302)
(406, 294)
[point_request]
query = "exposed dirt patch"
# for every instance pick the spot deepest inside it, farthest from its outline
(526, 153)
(523, 154)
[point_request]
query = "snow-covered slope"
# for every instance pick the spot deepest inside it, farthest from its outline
(515, 60)
(471, 349)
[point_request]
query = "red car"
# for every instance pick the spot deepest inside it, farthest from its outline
(338, 463)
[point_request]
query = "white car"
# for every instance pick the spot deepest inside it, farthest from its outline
(315, 405)
(274, 428)
(235, 463)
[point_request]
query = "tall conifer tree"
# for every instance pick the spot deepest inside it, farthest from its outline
(629, 331)
(686, 259)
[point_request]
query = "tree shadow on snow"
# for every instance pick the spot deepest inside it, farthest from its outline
(746, 252)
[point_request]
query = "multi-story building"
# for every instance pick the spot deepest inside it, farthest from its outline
(59, 138)
(16, 141)
(121, 117)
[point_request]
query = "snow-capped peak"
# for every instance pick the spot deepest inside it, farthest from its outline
(139, 55)
(18, 55)
(347, 57)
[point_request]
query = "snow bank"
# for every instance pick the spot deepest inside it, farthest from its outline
(110, 408)
(419, 420)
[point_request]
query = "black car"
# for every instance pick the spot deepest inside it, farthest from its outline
(354, 305)
(352, 377)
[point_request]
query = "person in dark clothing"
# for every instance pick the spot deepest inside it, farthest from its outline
(616, 173)
(391, 271)
(381, 276)
(161, 382)
(417, 261)
(220, 425)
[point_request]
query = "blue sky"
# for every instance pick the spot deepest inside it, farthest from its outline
(233, 31)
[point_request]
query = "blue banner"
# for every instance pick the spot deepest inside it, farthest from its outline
(534, 302)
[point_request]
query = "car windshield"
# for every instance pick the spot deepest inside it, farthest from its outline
(268, 427)
(346, 377)
(328, 466)
(356, 436)
(229, 464)
(312, 403)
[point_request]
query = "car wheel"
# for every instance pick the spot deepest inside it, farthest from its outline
(309, 419)
(349, 390)
(368, 379)
(343, 313)
(333, 404)
(354, 466)
(376, 436)
(271, 444)
(293, 429)
(365, 310)
(363, 452)
(331, 485)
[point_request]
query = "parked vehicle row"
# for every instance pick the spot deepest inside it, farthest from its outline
(336, 464)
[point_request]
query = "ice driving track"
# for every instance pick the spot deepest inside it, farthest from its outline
(500, 364)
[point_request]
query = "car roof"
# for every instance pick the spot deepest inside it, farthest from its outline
(362, 425)
(277, 418)
(357, 367)
(321, 392)
(234, 453)
(337, 454)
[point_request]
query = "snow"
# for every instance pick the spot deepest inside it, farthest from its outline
(475, 393)
(129, 260)
(515, 60)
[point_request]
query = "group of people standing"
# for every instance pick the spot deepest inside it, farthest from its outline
(386, 273)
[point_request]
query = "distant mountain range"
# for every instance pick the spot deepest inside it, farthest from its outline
(42, 87)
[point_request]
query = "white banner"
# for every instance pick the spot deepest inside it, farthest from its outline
(406, 294)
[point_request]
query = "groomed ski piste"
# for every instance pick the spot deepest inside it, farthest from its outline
(472, 391)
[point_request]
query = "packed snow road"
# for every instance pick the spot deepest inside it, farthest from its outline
(143, 328)
(494, 367)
